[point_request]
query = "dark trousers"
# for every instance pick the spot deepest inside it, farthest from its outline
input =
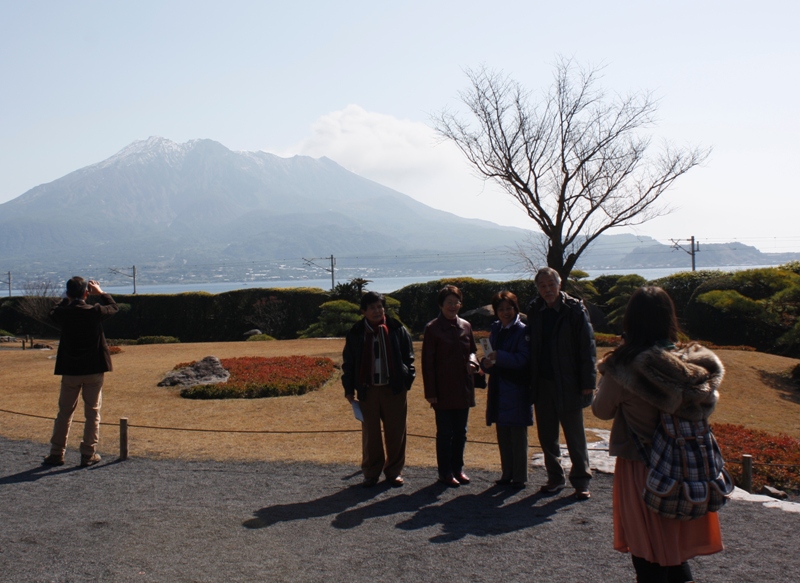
(513, 442)
(451, 437)
(548, 420)
(647, 572)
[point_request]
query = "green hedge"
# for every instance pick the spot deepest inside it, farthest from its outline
(418, 301)
(203, 317)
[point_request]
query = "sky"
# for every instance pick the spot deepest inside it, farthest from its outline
(360, 83)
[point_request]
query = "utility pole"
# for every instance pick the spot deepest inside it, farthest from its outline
(9, 283)
(310, 263)
(693, 249)
(132, 274)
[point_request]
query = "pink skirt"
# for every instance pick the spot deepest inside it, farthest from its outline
(643, 533)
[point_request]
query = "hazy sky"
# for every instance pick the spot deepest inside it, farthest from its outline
(359, 81)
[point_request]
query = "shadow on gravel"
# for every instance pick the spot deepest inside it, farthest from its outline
(491, 512)
(327, 505)
(486, 514)
(36, 473)
(399, 504)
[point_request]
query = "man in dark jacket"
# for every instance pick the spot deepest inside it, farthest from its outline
(378, 368)
(82, 361)
(563, 377)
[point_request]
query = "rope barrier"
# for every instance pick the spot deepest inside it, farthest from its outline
(324, 431)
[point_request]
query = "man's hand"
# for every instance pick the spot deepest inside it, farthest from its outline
(94, 288)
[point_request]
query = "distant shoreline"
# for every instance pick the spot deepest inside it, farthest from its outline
(379, 284)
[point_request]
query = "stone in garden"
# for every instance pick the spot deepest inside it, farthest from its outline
(208, 371)
(773, 493)
(252, 332)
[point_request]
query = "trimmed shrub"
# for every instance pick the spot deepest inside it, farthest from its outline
(418, 301)
(255, 377)
(621, 293)
(260, 338)
(157, 340)
(756, 307)
(120, 342)
(681, 286)
(336, 319)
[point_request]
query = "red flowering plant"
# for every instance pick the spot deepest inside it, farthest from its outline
(776, 458)
(253, 377)
(607, 340)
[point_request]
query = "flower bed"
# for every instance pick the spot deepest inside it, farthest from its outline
(254, 377)
(607, 340)
(776, 458)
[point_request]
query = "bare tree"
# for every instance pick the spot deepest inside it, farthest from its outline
(39, 298)
(268, 314)
(576, 160)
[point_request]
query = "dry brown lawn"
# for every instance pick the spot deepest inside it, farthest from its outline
(755, 394)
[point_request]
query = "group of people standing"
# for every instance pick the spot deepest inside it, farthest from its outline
(547, 364)
(543, 369)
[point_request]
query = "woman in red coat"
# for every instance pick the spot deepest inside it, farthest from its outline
(448, 363)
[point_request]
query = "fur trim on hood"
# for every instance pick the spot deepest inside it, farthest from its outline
(683, 382)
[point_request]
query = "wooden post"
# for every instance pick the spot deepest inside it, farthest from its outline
(123, 438)
(747, 473)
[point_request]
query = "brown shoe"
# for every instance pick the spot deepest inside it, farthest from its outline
(396, 482)
(449, 480)
(582, 494)
(369, 482)
(89, 460)
(462, 478)
(54, 460)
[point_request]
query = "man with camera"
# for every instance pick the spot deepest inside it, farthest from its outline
(82, 361)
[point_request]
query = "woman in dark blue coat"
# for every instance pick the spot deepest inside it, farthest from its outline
(508, 403)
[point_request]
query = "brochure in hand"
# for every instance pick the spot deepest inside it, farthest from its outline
(357, 410)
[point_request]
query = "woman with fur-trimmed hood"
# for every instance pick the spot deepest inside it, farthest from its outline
(645, 376)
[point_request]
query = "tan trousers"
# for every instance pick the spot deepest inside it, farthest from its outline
(72, 386)
(382, 405)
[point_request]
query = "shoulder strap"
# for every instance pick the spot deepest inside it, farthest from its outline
(644, 451)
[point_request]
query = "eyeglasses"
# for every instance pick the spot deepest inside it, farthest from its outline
(452, 304)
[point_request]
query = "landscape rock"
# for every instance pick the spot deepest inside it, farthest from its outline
(252, 332)
(773, 493)
(795, 375)
(208, 371)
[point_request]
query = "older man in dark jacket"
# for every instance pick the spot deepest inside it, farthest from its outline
(563, 377)
(378, 368)
(82, 361)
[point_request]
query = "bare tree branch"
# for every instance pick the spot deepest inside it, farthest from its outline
(38, 300)
(576, 161)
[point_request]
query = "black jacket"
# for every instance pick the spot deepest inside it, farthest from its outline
(401, 377)
(82, 349)
(573, 353)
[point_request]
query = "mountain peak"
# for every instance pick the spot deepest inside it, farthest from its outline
(153, 148)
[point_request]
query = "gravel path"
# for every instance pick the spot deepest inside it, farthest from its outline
(179, 521)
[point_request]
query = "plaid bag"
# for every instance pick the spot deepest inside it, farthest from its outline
(687, 477)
